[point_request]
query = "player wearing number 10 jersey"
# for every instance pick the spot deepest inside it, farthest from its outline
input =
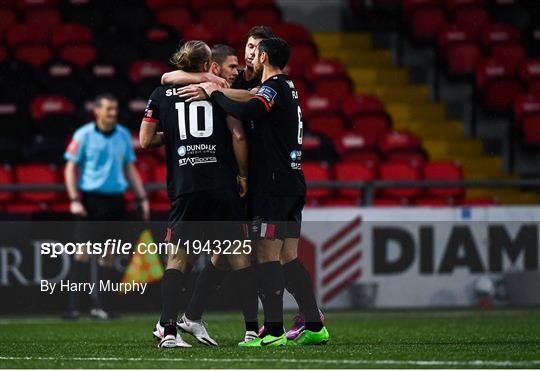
(201, 184)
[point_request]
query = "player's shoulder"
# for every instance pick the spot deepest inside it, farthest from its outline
(123, 130)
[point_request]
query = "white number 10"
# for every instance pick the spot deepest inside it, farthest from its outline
(193, 123)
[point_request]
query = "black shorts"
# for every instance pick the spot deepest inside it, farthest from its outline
(276, 216)
(206, 215)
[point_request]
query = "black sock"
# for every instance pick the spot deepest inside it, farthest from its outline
(170, 299)
(272, 286)
(245, 282)
(299, 281)
(207, 282)
(260, 294)
(78, 272)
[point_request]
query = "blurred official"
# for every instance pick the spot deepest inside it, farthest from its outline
(99, 169)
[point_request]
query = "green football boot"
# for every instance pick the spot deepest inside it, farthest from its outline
(307, 337)
(267, 341)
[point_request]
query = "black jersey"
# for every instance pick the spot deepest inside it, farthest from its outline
(276, 137)
(198, 143)
(241, 83)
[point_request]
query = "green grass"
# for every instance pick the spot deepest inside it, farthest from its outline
(384, 339)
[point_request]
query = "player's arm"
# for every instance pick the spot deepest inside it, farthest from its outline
(240, 95)
(244, 111)
(198, 92)
(134, 180)
(186, 78)
(149, 137)
(240, 148)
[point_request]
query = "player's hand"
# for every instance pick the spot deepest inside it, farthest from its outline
(242, 185)
(210, 77)
(192, 93)
(145, 208)
(209, 87)
(77, 208)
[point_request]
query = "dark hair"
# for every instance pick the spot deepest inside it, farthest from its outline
(104, 96)
(220, 52)
(278, 51)
(191, 56)
(260, 32)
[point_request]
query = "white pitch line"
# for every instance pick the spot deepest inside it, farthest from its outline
(289, 360)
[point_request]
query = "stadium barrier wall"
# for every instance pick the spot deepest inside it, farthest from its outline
(359, 258)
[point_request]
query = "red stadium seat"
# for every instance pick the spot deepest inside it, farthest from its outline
(267, 15)
(340, 87)
(319, 104)
(331, 125)
(226, 19)
(145, 69)
(70, 33)
(444, 170)
(80, 55)
(341, 202)
(459, 49)
(236, 37)
(487, 201)
(301, 87)
(424, 17)
(199, 32)
(354, 142)
(47, 105)
(26, 4)
(498, 33)
(531, 130)
(7, 19)
(243, 5)
(293, 33)
(22, 34)
(59, 207)
(155, 5)
(512, 54)
(530, 74)
(454, 5)
(43, 17)
(199, 5)
(303, 52)
(325, 68)
(390, 202)
(369, 159)
(16, 207)
(371, 125)
(398, 141)
(351, 171)
(36, 55)
(161, 177)
(360, 105)
(399, 171)
(471, 15)
(497, 85)
(177, 17)
(6, 177)
(314, 171)
(414, 159)
(37, 174)
(525, 104)
(432, 202)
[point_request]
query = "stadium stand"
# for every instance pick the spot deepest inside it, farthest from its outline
(365, 119)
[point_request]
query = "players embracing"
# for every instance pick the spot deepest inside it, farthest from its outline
(272, 117)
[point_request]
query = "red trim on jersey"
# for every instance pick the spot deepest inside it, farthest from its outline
(266, 105)
(150, 119)
(73, 147)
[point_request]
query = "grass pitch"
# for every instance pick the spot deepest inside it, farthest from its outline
(384, 339)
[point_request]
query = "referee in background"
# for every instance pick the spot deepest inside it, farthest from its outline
(99, 169)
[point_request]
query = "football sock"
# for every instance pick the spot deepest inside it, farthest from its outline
(245, 282)
(259, 278)
(171, 284)
(207, 282)
(78, 272)
(301, 286)
(272, 286)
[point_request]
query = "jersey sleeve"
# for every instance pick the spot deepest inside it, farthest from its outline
(151, 112)
(75, 149)
(268, 94)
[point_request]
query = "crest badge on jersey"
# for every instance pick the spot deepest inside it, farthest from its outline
(268, 94)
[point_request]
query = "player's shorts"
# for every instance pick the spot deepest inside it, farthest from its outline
(206, 215)
(276, 216)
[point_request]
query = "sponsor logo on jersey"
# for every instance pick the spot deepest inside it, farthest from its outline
(196, 160)
(267, 93)
(296, 155)
(181, 151)
(296, 166)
